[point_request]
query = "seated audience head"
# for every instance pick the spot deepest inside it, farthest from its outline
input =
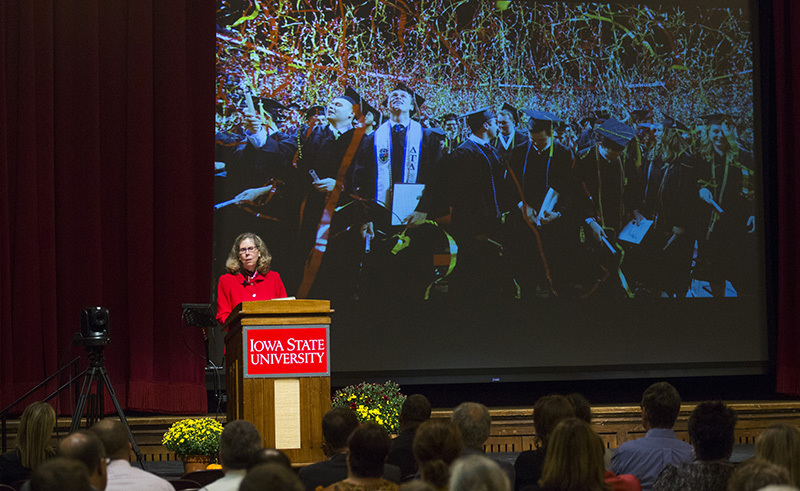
(755, 474)
(272, 476)
(60, 474)
(437, 443)
(547, 413)
(85, 447)
(35, 434)
(337, 426)
(661, 404)
(711, 427)
(581, 407)
(238, 443)
(416, 409)
(478, 473)
(474, 422)
(574, 458)
(270, 456)
(367, 450)
(780, 444)
(417, 485)
(114, 437)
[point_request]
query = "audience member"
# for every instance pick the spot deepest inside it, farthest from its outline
(416, 410)
(270, 456)
(547, 413)
(711, 428)
(88, 449)
(60, 474)
(478, 473)
(755, 474)
(238, 443)
(584, 411)
(271, 476)
(33, 444)
(368, 447)
(122, 475)
(475, 423)
(574, 460)
(646, 457)
(436, 445)
(337, 426)
(780, 444)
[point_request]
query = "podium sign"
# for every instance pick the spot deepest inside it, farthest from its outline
(286, 351)
(277, 369)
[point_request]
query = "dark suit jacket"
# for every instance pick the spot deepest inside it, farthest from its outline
(401, 454)
(334, 470)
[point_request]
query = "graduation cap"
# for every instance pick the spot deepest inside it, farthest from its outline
(717, 118)
(366, 107)
(271, 106)
(351, 96)
(672, 123)
(602, 114)
(477, 118)
(314, 111)
(541, 115)
(640, 113)
(512, 111)
(617, 132)
(293, 105)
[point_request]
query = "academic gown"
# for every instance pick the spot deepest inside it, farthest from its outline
(519, 139)
(536, 172)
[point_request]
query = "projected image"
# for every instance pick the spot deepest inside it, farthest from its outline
(404, 151)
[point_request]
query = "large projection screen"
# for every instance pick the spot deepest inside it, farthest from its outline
(399, 311)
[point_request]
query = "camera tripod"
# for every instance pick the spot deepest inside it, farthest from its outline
(96, 372)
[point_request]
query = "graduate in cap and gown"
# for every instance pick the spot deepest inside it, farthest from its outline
(611, 199)
(508, 137)
(473, 185)
(326, 168)
(727, 184)
(255, 183)
(588, 137)
(400, 151)
(452, 131)
(543, 169)
(671, 201)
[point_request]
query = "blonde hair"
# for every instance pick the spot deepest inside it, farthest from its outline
(574, 460)
(780, 444)
(35, 433)
(234, 264)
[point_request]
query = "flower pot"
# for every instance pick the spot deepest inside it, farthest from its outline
(193, 463)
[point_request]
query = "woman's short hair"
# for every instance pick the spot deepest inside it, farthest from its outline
(548, 412)
(478, 473)
(437, 443)
(368, 447)
(574, 458)
(35, 434)
(711, 427)
(780, 444)
(234, 264)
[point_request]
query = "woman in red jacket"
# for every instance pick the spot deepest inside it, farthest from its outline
(248, 277)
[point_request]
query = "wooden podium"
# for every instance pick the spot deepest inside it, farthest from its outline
(285, 404)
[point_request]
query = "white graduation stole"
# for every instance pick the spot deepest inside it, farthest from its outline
(383, 159)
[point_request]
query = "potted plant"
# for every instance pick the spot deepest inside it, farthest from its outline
(195, 441)
(379, 403)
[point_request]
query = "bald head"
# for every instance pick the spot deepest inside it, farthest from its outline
(114, 437)
(87, 448)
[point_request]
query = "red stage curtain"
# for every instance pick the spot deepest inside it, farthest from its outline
(787, 77)
(106, 193)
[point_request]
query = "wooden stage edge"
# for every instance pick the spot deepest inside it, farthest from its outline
(512, 428)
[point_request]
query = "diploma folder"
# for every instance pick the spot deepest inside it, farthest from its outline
(405, 198)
